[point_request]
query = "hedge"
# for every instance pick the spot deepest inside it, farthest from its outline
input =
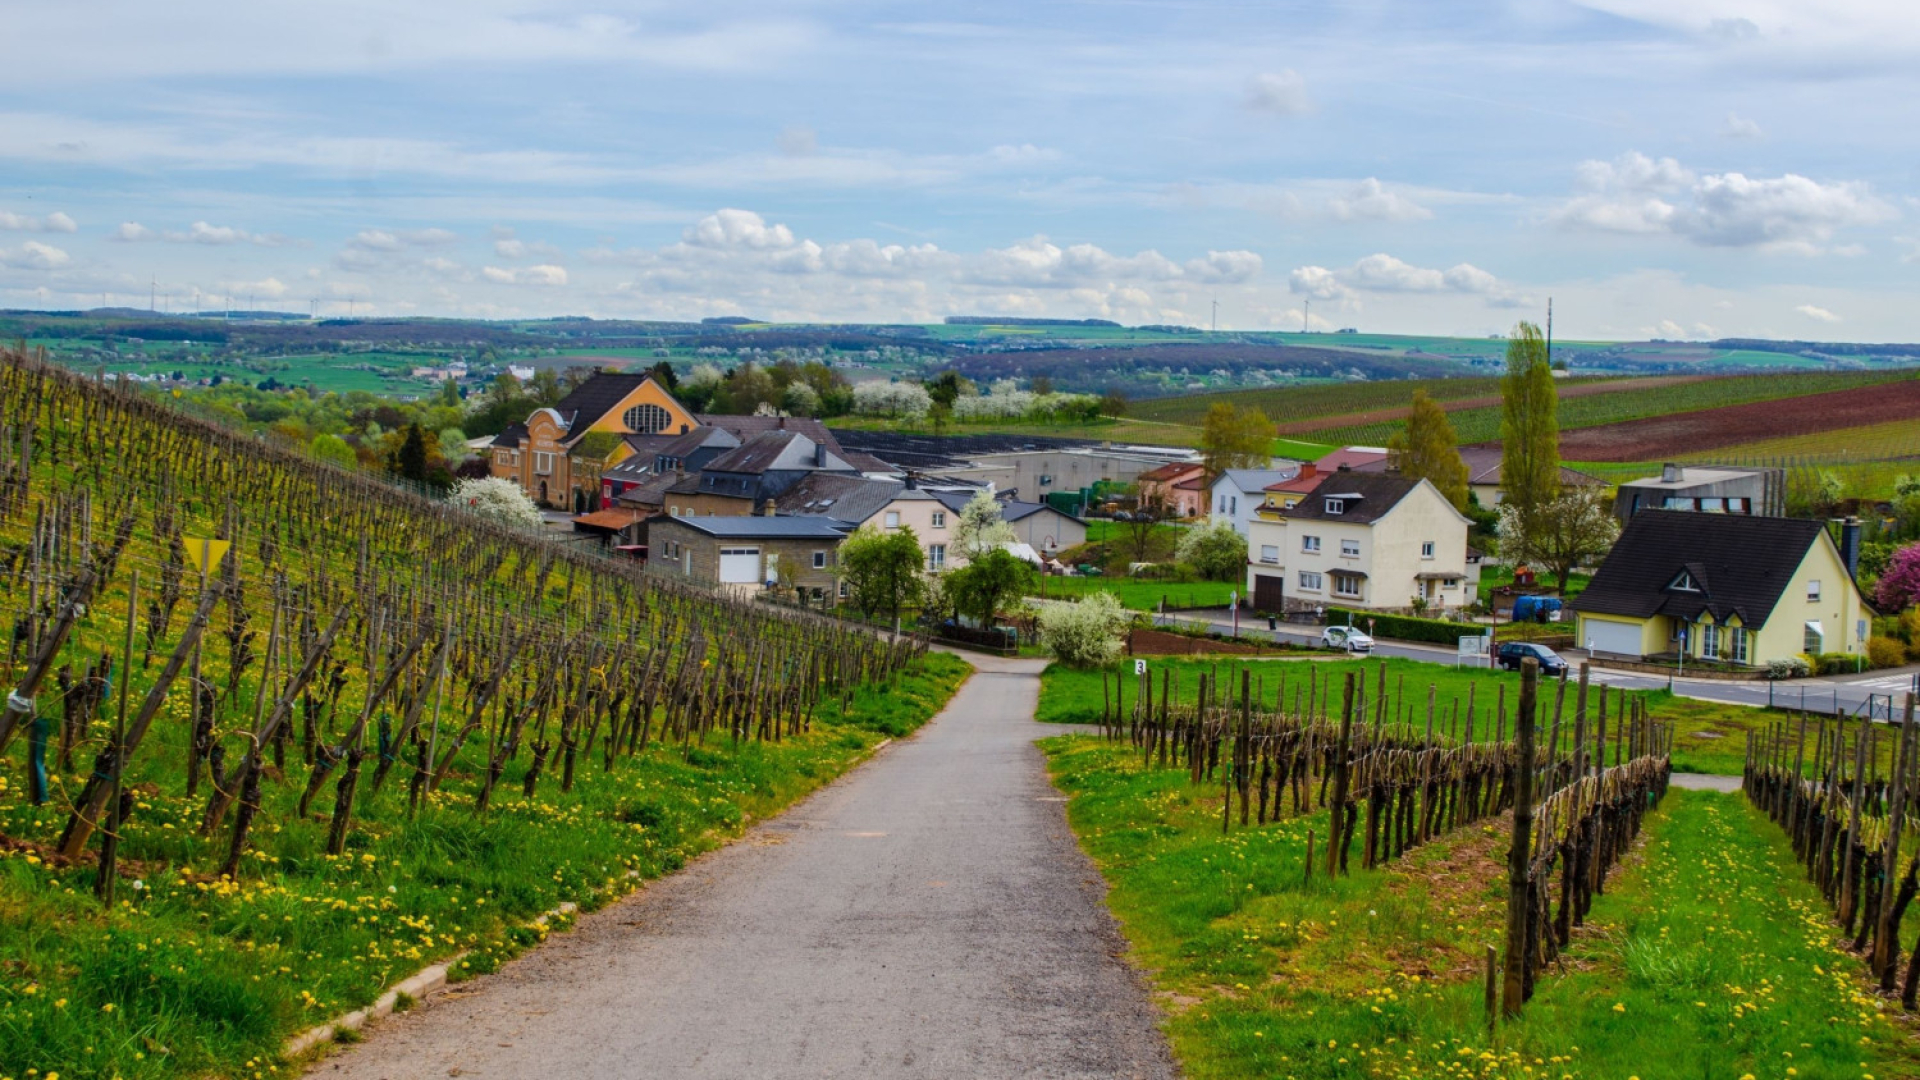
(1406, 627)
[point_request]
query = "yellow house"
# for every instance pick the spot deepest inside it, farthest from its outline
(550, 455)
(1723, 587)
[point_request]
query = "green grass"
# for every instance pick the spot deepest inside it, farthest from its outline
(1757, 358)
(1497, 577)
(187, 977)
(1288, 404)
(1378, 975)
(1139, 594)
(1301, 449)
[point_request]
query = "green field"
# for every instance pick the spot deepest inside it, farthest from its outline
(1295, 403)
(1708, 954)
(1141, 595)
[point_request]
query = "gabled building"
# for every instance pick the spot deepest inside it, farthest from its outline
(1362, 540)
(1178, 487)
(540, 453)
(747, 552)
(744, 479)
(1734, 588)
(1238, 494)
(1286, 494)
(887, 505)
(1484, 477)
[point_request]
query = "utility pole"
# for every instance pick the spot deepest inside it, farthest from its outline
(1549, 333)
(1306, 315)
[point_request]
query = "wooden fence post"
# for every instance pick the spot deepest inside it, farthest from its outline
(1519, 909)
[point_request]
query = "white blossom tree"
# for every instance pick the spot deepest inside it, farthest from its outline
(497, 499)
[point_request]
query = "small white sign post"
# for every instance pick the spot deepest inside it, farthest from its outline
(1139, 667)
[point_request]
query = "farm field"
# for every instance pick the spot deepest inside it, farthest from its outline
(1292, 405)
(1708, 954)
(1870, 442)
(1680, 433)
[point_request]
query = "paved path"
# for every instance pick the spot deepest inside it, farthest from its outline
(927, 916)
(1706, 782)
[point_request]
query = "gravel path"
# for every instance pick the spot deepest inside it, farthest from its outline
(927, 916)
(1706, 782)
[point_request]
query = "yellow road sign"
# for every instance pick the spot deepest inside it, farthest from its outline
(204, 554)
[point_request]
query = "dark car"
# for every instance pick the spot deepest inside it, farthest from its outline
(1514, 652)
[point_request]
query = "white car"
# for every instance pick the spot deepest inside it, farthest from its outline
(1351, 638)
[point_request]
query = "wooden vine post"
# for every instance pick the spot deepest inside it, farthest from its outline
(1519, 856)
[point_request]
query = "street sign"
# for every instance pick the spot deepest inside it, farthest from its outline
(1139, 667)
(1474, 648)
(204, 554)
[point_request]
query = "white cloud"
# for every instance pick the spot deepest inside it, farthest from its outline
(1317, 282)
(56, 222)
(731, 228)
(131, 232)
(1818, 314)
(1281, 93)
(1739, 127)
(199, 232)
(1382, 273)
(798, 142)
(1637, 194)
(542, 276)
(387, 241)
(1371, 201)
(34, 255)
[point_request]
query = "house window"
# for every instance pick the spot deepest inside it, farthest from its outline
(939, 519)
(647, 419)
(1233, 504)
(1713, 506)
(1309, 582)
(1739, 506)
(936, 556)
(1046, 480)
(542, 463)
(1350, 549)
(1310, 544)
(843, 588)
(1709, 641)
(1814, 641)
(1426, 550)
(1269, 553)
(1813, 591)
(1739, 644)
(819, 560)
(1346, 585)
(893, 519)
(1685, 583)
(1336, 506)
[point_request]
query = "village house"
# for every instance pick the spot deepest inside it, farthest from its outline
(1376, 541)
(1178, 488)
(747, 552)
(540, 454)
(1038, 525)
(1238, 494)
(745, 479)
(1733, 588)
(1286, 494)
(1706, 490)
(888, 505)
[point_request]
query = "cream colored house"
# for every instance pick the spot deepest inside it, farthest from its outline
(1383, 542)
(1725, 587)
(884, 504)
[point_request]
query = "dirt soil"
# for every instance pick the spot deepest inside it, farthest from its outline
(1485, 401)
(1689, 433)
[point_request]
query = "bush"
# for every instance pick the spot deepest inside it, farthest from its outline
(497, 499)
(1789, 667)
(1406, 628)
(1214, 550)
(1883, 652)
(1086, 634)
(1836, 663)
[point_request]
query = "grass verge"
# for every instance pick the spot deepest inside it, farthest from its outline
(1709, 955)
(193, 976)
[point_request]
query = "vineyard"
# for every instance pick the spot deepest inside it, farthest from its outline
(1344, 875)
(278, 735)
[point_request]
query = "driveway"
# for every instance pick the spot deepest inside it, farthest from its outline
(929, 915)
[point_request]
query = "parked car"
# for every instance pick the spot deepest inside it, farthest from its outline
(1350, 638)
(1512, 653)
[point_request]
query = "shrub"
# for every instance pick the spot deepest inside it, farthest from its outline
(497, 499)
(1085, 634)
(1836, 663)
(1899, 584)
(1883, 652)
(1214, 550)
(1406, 628)
(1789, 667)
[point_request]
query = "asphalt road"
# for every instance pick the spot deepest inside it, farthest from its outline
(928, 915)
(1882, 692)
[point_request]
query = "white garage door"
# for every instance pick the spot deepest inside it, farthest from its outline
(1620, 639)
(739, 566)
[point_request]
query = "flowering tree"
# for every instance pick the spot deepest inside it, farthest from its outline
(909, 400)
(981, 527)
(497, 499)
(1214, 549)
(1085, 634)
(1899, 586)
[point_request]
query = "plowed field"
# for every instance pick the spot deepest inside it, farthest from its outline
(1686, 434)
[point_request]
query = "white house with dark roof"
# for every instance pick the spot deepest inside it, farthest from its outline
(1237, 493)
(1375, 541)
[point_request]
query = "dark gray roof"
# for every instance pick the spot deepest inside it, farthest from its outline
(773, 450)
(1740, 564)
(760, 528)
(596, 397)
(1483, 468)
(679, 446)
(1018, 509)
(845, 496)
(1367, 497)
(512, 437)
(650, 492)
(746, 427)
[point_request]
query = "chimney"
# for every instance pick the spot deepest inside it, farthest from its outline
(1850, 546)
(783, 423)
(913, 482)
(1345, 467)
(767, 509)
(819, 455)
(1671, 473)
(1307, 470)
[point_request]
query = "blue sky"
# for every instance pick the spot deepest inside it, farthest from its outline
(1676, 168)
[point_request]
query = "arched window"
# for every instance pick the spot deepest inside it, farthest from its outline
(647, 419)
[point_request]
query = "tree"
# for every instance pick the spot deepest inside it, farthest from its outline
(978, 587)
(1899, 586)
(1040, 385)
(1529, 429)
(333, 448)
(1427, 450)
(1234, 438)
(882, 569)
(1214, 550)
(1148, 510)
(450, 393)
(410, 461)
(1086, 634)
(497, 499)
(1113, 403)
(981, 527)
(545, 388)
(663, 374)
(1572, 529)
(946, 388)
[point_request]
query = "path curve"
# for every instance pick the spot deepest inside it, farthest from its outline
(929, 915)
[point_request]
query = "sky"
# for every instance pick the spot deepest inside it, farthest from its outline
(1658, 168)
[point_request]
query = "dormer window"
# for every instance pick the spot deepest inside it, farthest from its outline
(1336, 506)
(1684, 583)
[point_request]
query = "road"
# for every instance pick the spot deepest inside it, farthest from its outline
(929, 915)
(1881, 691)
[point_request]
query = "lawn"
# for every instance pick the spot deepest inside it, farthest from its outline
(1709, 955)
(191, 975)
(1141, 594)
(1709, 737)
(1499, 577)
